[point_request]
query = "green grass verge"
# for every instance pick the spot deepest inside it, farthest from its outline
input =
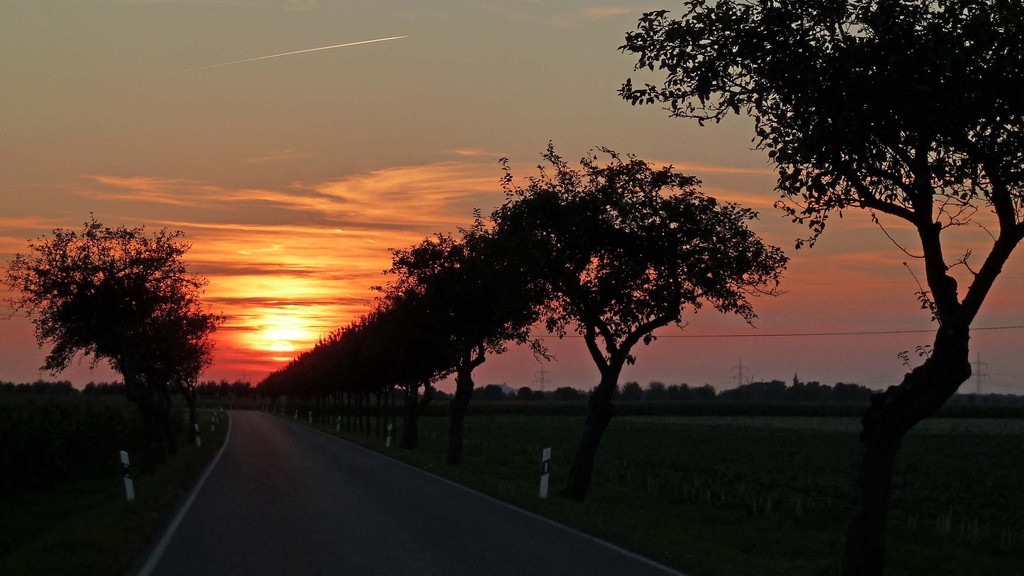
(753, 496)
(84, 525)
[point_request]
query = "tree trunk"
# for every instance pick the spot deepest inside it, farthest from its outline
(143, 396)
(391, 394)
(415, 404)
(190, 399)
(149, 450)
(166, 424)
(366, 413)
(457, 413)
(155, 450)
(365, 402)
(376, 417)
(410, 430)
(891, 415)
(599, 413)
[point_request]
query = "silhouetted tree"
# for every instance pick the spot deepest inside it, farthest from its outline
(392, 346)
(492, 393)
(121, 295)
(104, 388)
(186, 334)
(705, 392)
(408, 352)
(566, 394)
(656, 392)
(677, 392)
(624, 249)
(631, 391)
(910, 109)
(480, 301)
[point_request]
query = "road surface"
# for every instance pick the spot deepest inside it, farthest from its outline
(287, 499)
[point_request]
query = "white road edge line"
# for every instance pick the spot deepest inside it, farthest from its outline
(158, 551)
(619, 549)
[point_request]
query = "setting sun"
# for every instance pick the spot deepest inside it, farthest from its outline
(281, 335)
(282, 346)
(281, 338)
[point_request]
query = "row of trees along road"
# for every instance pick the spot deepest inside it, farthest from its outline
(611, 251)
(910, 109)
(124, 296)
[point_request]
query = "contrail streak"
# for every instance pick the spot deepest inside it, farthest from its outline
(291, 53)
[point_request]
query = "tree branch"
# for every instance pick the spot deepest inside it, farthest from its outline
(645, 328)
(868, 199)
(590, 337)
(1002, 248)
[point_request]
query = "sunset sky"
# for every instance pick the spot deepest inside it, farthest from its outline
(292, 176)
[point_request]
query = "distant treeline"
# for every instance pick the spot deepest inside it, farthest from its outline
(210, 389)
(39, 387)
(774, 391)
(752, 393)
(225, 389)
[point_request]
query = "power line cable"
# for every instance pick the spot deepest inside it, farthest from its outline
(856, 333)
(807, 334)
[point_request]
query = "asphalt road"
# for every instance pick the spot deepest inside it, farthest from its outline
(287, 499)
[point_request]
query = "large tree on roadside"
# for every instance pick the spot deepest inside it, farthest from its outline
(121, 295)
(480, 302)
(403, 348)
(624, 249)
(911, 109)
(185, 351)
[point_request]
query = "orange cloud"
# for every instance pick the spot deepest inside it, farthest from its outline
(598, 12)
(276, 156)
(698, 169)
(473, 152)
(287, 266)
(136, 189)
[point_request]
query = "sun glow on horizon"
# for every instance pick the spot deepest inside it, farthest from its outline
(275, 339)
(282, 346)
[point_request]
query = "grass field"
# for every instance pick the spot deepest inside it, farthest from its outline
(82, 523)
(756, 495)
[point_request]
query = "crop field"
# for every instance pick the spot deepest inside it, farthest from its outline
(62, 507)
(756, 495)
(45, 438)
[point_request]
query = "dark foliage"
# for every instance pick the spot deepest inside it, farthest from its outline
(624, 248)
(811, 392)
(911, 109)
(567, 394)
(38, 387)
(478, 300)
(123, 296)
(46, 437)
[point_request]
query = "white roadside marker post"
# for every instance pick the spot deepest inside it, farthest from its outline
(199, 441)
(387, 440)
(545, 471)
(129, 488)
